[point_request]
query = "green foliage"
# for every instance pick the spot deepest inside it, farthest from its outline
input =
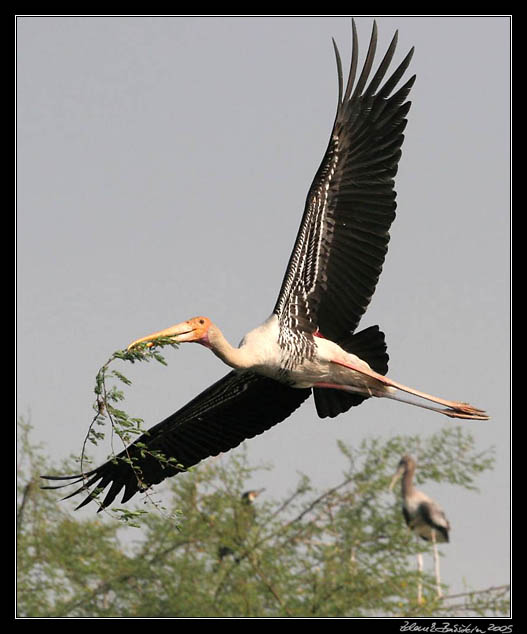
(108, 394)
(341, 552)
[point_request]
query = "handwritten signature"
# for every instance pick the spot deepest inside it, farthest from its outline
(455, 628)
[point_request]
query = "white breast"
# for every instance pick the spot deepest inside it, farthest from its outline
(261, 344)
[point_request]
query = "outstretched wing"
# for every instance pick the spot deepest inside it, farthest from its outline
(237, 407)
(342, 241)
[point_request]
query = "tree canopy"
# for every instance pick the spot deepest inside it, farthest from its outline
(340, 552)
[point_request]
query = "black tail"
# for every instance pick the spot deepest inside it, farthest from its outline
(370, 346)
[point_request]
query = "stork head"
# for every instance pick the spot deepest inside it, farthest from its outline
(195, 329)
(249, 496)
(405, 463)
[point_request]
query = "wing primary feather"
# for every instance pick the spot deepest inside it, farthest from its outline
(339, 70)
(112, 493)
(354, 61)
(383, 67)
(74, 479)
(368, 63)
(393, 80)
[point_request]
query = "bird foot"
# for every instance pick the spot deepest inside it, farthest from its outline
(465, 410)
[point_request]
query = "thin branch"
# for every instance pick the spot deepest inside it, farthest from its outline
(269, 585)
(502, 589)
(26, 494)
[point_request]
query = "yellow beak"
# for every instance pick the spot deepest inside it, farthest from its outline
(396, 477)
(191, 330)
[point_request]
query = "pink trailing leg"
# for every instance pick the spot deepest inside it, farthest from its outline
(453, 409)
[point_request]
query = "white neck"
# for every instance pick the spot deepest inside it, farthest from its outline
(237, 358)
(407, 483)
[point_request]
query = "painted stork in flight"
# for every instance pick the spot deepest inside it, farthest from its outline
(422, 515)
(308, 346)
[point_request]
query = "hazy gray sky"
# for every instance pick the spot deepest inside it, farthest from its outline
(163, 164)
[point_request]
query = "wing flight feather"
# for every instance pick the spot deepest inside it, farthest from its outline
(343, 238)
(237, 407)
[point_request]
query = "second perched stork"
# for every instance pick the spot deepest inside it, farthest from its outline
(309, 344)
(244, 520)
(250, 496)
(423, 515)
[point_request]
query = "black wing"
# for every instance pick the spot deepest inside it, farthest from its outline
(342, 241)
(434, 518)
(237, 407)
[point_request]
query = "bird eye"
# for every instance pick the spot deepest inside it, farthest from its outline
(201, 321)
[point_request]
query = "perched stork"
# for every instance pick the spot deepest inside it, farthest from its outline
(243, 523)
(423, 515)
(308, 345)
(250, 496)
